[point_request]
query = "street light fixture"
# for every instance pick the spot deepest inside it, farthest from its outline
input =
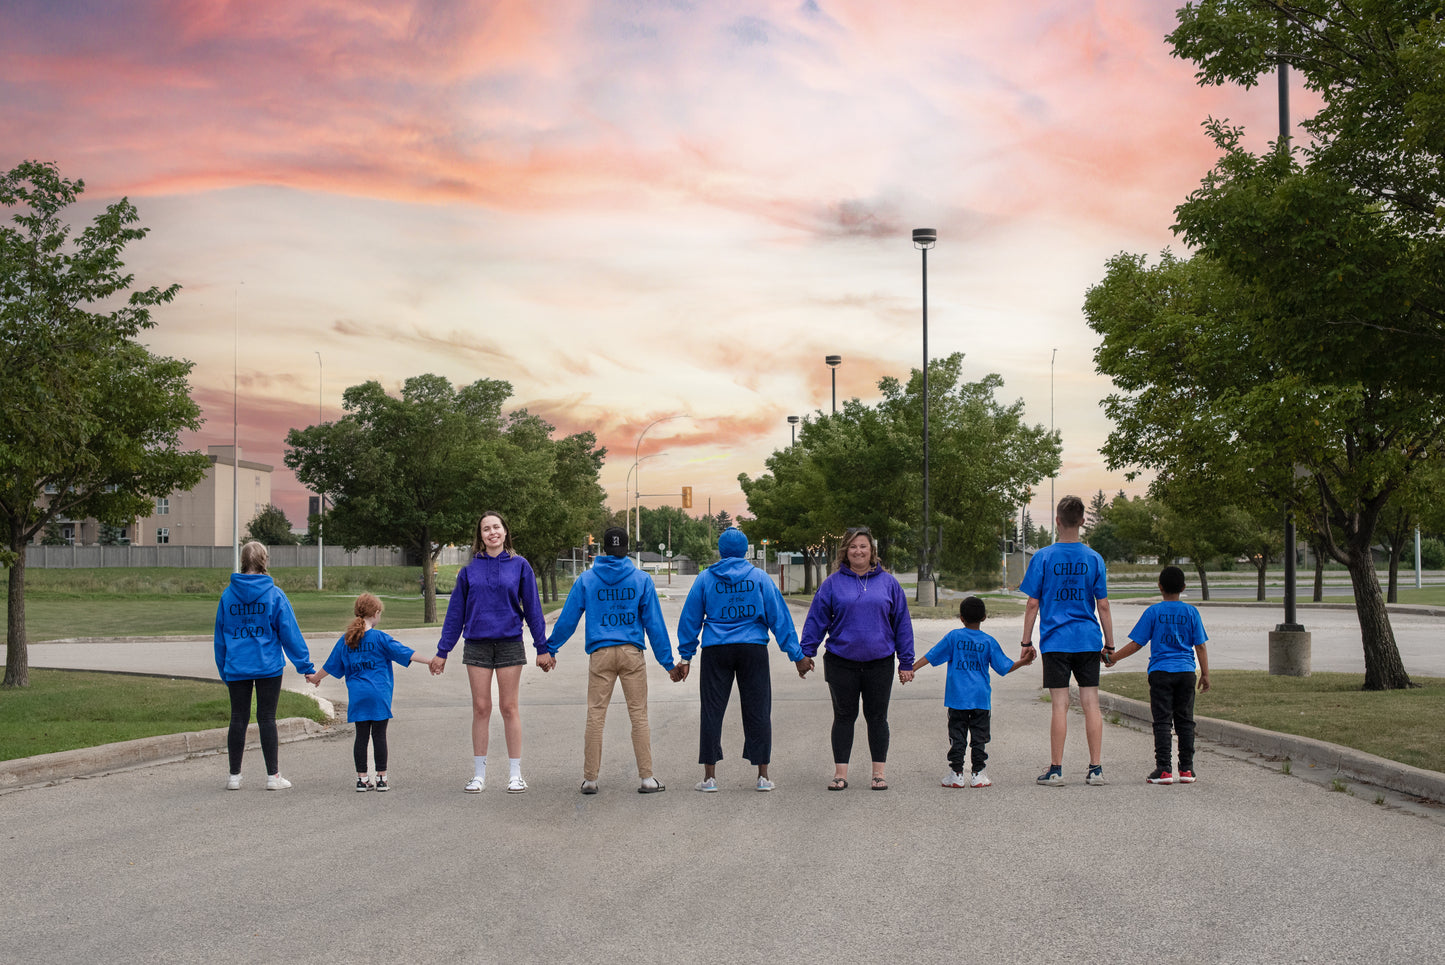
(923, 239)
(833, 362)
(321, 496)
(636, 451)
(793, 424)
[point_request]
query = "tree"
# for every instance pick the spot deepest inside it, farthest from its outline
(415, 471)
(1201, 397)
(92, 420)
(270, 526)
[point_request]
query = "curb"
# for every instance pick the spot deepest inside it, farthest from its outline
(44, 769)
(1346, 761)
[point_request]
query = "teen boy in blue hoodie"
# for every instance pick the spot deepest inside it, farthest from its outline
(733, 605)
(620, 604)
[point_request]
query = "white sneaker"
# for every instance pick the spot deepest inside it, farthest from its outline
(233, 783)
(476, 785)
(276, 782)
(516, 785)
(954, 779)
(980, 779)
(764, 784)
(706, 786)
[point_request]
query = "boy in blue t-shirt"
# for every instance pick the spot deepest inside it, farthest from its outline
(1178, 636)
(1067, 585)
(968, 653)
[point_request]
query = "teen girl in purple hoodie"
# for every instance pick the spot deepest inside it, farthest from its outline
(495, 592)
(862, 613)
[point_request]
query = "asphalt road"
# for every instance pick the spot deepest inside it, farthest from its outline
(160, 864)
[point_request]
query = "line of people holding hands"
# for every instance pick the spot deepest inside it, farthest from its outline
(859, 616)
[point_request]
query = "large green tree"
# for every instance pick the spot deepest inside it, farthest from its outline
(91, 420)
(270, 526)
(413, 471)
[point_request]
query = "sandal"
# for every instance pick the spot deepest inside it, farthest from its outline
(879, 784)
(837, 784)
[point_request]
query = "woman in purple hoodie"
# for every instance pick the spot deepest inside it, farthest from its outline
(862, 613)
(495, 592)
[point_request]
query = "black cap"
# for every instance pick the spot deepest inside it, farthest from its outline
(614, 542)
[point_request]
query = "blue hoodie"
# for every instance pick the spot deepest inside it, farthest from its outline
(733, 601)
(620, 603)
(865, 617)
(492, 596)
(256, 631)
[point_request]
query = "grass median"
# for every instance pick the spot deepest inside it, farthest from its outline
(1399, 725)
(155, 602)
(63, 710)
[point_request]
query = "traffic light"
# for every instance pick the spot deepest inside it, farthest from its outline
(687, 497)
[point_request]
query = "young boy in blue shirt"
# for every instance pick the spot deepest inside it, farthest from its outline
(968, 693)
(1177, 633)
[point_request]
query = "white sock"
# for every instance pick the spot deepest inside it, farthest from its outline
(515, 763)
(480, 763)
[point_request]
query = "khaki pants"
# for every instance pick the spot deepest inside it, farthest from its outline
(608, 665)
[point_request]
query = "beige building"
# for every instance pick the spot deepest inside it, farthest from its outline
(200, 517)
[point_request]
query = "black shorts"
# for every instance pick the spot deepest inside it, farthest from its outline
(495, 654)
(1084, 667)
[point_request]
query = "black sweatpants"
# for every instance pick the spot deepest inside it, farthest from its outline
(848, 681)
(375, 730)
(747, 663)
(268, 695)
(962, 723)
(1171, 699)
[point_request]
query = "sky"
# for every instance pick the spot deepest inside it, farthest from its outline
(626, 210)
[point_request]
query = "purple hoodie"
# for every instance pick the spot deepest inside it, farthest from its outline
(492, 596)
(864, 617)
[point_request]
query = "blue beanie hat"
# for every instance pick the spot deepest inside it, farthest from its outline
(732, 542)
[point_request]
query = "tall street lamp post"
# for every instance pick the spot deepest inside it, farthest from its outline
(793, 424)
(321, 496)
(833, 362)
(637, 478)
(924, 239)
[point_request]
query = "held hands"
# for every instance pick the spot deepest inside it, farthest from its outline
(546, 661)
(904, 676)
(1027, 657)
(679, 672)
(437, 665)
(314, 679)
(804, 666)
(1108, 656)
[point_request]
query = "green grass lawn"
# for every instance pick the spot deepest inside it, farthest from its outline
(62, 710)
(133, 602)
(1400, 725)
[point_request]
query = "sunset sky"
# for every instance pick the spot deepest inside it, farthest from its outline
(626, 209)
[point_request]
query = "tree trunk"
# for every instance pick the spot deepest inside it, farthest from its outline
(428, 577)
(808, 570)
(17, 656)
(1203, 581)
(1392, 592)
(1383, 668)
(1319, 574)
(1260, 567)
(552, 579)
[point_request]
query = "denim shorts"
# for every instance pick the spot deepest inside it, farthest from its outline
(494, 654)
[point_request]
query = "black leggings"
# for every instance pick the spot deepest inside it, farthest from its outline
(376, 731)
(848, 680)
(268, 695)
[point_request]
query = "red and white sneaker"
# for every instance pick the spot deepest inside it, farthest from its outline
(1161, 775)
(954, 779)
(1186, 777)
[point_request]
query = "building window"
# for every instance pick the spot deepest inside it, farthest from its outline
(163, 506)
(51, 489)
(163, 535)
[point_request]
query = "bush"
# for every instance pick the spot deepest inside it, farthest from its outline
(1432, 554)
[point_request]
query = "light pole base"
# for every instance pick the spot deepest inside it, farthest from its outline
(1289, 653)
(927, 593)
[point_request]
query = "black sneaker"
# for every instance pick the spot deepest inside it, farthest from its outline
(362, 784)
(381, 784)
(1160, 775)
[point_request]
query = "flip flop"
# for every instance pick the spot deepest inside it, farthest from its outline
(837, 784)
(879, 784)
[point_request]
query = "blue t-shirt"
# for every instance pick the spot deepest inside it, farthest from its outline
(1066, 579)
(367, 670)
(1174, 628)
(968, 655)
